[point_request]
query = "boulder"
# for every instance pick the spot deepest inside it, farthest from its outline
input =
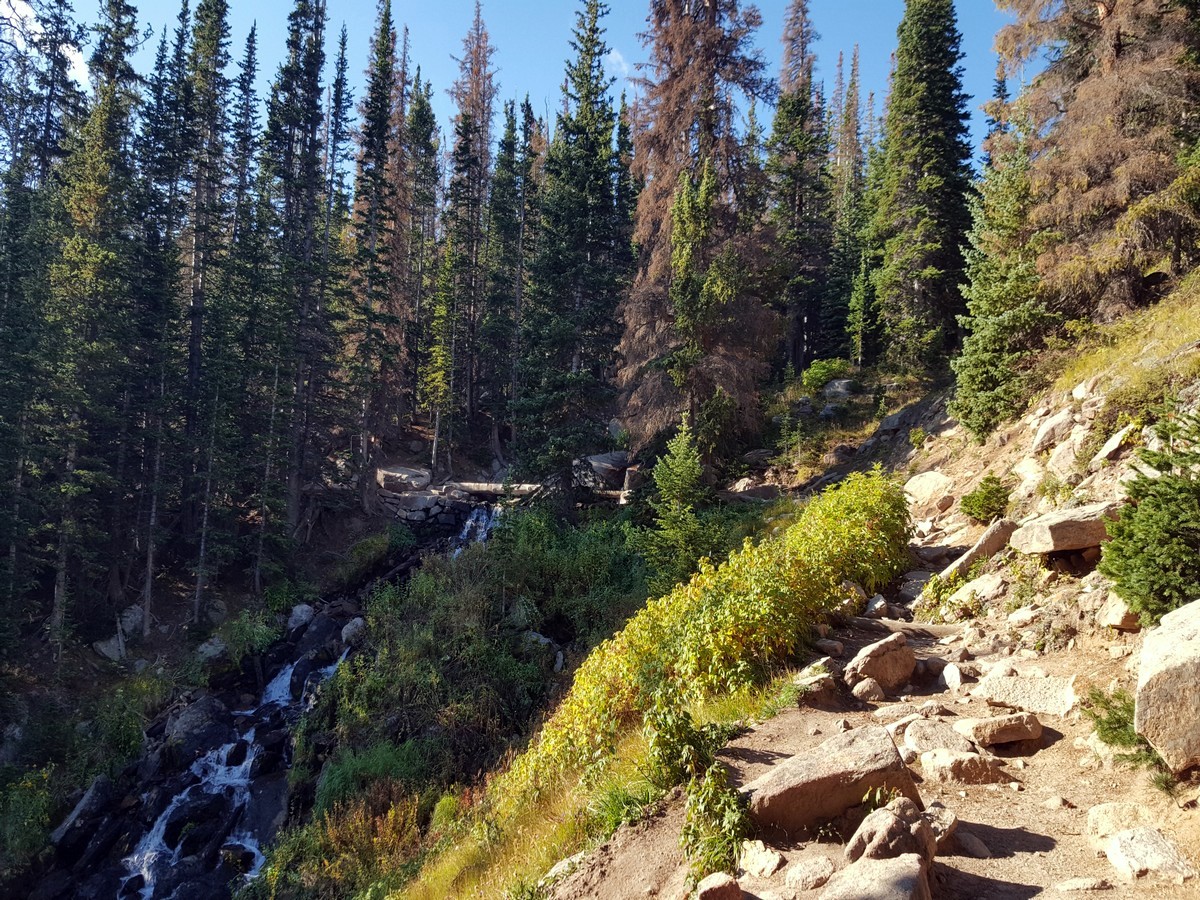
(1048, 696)
(1065, 529)
(895, 422)
(400, 479)
(982, 590)
(1112, 448)
(1062, 461)
(902, 878)
(610, 467)
(869, 691)
(112, 648)
(95, 798)
(1107, 819)
(924, 735)
(718, 886)
(830, 647)
(823, 783)
(354, 632)
(925, 490)
(131, 620)
(1052, 431)
(1000, 729)
(947, 766)
(212, 649)
(943, 823)
(301, 615)
(1147, 851)
(198, 726)
(1117, 615)
(895, 830)
(216, 612)
(989, 544)
(877, 608)
(890, 662)
(952, 677)
(1167, 712)
(839, 389)
(808, 874)
(759, 860)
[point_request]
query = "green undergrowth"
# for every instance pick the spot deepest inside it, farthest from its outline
(1112, 715)
(706, 645)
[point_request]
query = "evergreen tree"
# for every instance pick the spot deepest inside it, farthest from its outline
(701, 60)
(847, 172)
(569, 320)
(1006, 316)
(921, 214)
(799, 152)
(373, 227)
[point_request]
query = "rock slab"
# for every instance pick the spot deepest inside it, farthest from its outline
(895, 830)
(1065, 529)
(821, 784)
(994, 540)
(719, 886)
(1147, 851)
(1167, 711)
(1000, 729)
(1050, 696)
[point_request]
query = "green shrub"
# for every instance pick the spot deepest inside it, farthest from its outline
(723, 630)
(25, 804)
(715, 822)
(400, 538)
(822, 371)
(249, 633)
(1112, 715)
(988, 502)
(618, 803)
(363, 558)
(352, 772)
(283, 595)
(1153, 558)
(917, 437)
(676, 749)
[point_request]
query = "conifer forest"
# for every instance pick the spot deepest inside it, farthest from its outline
(230, 299)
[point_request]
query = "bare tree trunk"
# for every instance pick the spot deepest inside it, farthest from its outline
(202, 560)
(262, 506)
(18, 483)
(58, 609)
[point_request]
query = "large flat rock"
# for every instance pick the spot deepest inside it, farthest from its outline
(821, 784)
(992, 541)
(1167, 713)
(1065, 529)
(1050, 696)
(1147, 851)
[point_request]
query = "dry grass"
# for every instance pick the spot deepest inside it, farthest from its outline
(1145, 341)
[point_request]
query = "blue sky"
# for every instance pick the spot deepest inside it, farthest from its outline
(531, 39)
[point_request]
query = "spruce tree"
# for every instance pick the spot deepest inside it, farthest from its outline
(1007, 316)
(800, 212)
(922, 216)
(569, 320)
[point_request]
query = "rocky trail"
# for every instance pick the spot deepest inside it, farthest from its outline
(971, 731)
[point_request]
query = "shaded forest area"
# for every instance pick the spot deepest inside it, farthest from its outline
(214, 304)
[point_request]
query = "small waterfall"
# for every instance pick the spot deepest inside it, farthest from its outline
(478, 527)
(226, 772)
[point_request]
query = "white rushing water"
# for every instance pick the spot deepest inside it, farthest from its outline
(217, 777)
(478, 527)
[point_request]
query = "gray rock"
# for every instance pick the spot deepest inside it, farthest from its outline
(949, 766)
(890, 662)
(926, 489)
(895, 422)
(216, 612)
(1112, 449)
(830, 647)
(94, 799)
(400, 479)
(1117, 615)
(895, 830)
(759, 860)
(1047, 696)
(924, 735)
(301, 615)
(112, 648)
(212, 649)
(809, 874)
(839, 389)
(877, 608)
(1066, 529)
(952, 678)
(559, 662)
(198, 726)
(132, 619)
(972, 846)
(902, 878)
(1167, 712)
(1147, 851)
(354, 632)
(1000, 729)
(1052, 431)
(823, 783)
(943, 823)
(991, 542)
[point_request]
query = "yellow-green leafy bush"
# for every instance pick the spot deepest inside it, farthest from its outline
(723, 630)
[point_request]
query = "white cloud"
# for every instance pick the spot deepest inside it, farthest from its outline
(616, 63)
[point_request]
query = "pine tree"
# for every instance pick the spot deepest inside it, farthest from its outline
(921, 214)
(373, 227)
(569, 320)
(701, 59)
(847, 172)
(799, 151)
(1006, 316)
